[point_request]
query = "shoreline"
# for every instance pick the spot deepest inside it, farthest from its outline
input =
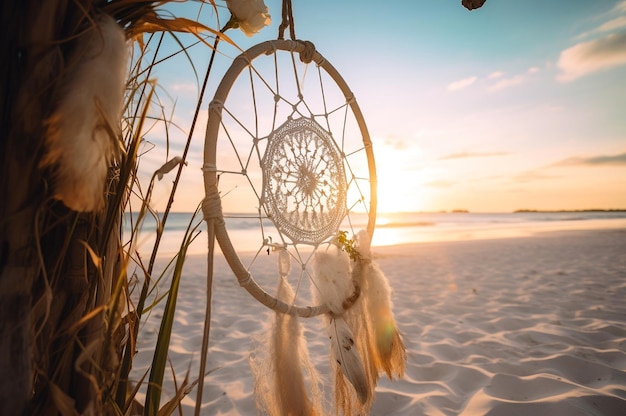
(246, 234)
(391, 237)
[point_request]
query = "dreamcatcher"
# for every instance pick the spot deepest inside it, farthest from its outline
(287, 152)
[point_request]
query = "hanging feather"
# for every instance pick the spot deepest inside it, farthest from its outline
(357, 317)
(334, 286)
(386, 349)
(347, 356)
(280, 386)
(82, 132)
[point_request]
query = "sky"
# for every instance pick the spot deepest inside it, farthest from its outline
(516, 105)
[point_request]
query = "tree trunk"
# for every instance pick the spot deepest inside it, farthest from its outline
(47, 282)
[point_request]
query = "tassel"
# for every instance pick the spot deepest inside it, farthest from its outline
(82, 132)
(280, 387)
(385, 347)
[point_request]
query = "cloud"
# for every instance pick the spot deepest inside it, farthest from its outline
(465, 155)
(619, 7)
(592, 56)
(462, 83)
(503, 83)
(396, 143)
(506, 83)
(439, 184)
(533, 70)
(184, 87)
(610, 26)
(604, 160)
(532, 176)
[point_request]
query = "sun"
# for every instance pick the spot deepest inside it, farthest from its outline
(396, 193)
(399, 187)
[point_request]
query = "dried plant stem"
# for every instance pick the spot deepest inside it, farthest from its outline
(211, 247)
(207, 315)
(179, 172)
(129, 351)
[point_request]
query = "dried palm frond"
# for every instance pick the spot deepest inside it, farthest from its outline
(138, 17)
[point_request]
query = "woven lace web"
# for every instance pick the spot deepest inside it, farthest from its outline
(291, 163)
(304, 185)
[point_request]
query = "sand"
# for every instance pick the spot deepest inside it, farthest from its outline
(520, 326)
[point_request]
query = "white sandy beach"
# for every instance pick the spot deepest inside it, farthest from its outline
(532, 325)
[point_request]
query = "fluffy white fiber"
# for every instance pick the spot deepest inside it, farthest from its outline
(332, 280)
(281, 388)
(83, 130)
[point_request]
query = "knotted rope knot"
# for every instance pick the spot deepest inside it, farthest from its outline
(307, 55)
(212, 205)
(272, 51)
(216, 107)
(245, 281)
(209, 167)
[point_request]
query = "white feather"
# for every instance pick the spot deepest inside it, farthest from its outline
(332, 279)
(347, 356)
(78, 133)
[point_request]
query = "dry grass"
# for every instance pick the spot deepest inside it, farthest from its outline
(74, 296)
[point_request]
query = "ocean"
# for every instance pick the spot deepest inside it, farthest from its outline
(247, 233)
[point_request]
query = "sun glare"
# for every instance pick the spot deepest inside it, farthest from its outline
(397, 190)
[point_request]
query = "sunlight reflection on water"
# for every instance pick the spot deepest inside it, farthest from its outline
(407, 229)
(388, 236)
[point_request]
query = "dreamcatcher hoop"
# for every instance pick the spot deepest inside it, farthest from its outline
(305, 171)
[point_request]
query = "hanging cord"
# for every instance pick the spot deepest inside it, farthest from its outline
(308, 53)
(287, 22)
